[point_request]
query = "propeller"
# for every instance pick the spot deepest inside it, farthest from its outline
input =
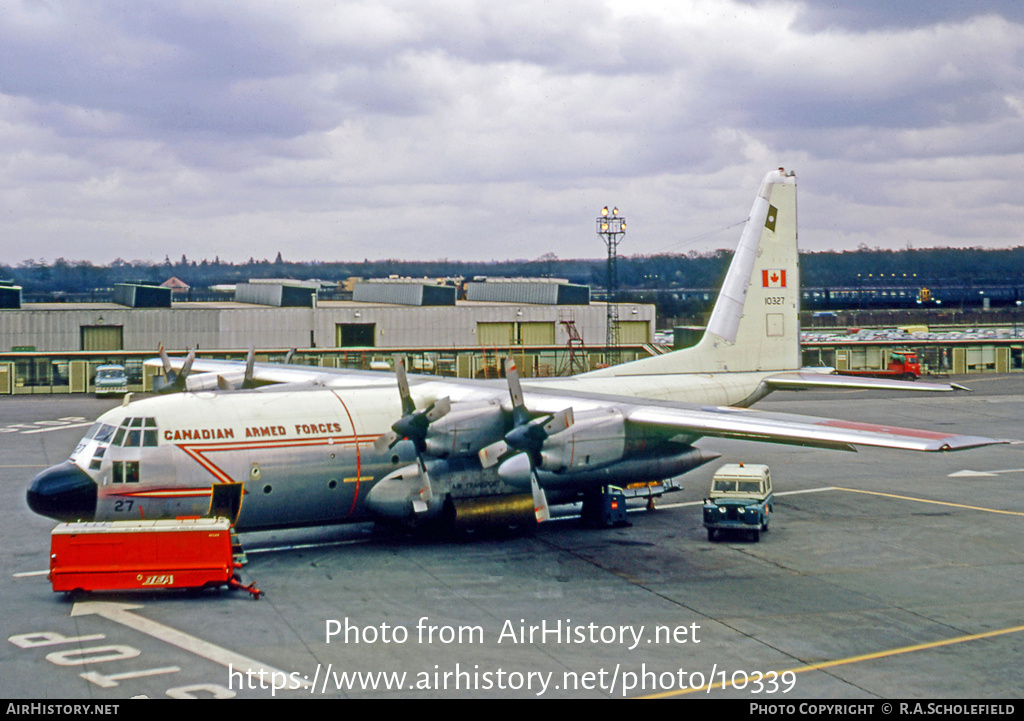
(185, 380)
(527, 436)
(229, 383)
(414, 425)
(250, 364)
(175, 382)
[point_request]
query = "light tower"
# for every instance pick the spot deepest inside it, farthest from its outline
(611, 227)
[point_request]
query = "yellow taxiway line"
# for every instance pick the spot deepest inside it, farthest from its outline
(877, 654)
(928, 500)
(853, 659)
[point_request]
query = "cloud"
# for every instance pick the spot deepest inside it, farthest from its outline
(816, 15)
(410, 129)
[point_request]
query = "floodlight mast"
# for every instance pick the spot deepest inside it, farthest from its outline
(611, 227)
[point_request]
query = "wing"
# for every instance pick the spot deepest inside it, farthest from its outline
(686, 422)
(800, 430)
(691, 422)
(209, 374)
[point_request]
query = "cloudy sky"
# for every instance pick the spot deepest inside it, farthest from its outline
(425, 129)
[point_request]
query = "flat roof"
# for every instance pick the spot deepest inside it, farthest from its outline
(322, 304)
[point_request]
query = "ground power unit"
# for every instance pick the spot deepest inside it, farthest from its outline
(144, 555)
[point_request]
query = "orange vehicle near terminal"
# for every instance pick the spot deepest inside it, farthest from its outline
(903, 364)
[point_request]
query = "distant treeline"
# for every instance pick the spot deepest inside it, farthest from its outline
(957, 266)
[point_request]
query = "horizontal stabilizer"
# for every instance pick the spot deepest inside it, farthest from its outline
(804, 380)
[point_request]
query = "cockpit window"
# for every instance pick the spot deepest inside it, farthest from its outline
(99, 432)
(149, 432)
(134, 437)
(97, 459)
(125, 472)
(135, 432)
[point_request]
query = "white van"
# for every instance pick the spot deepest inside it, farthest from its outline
(111, 380)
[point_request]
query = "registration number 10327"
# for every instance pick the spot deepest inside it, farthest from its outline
(774, 300)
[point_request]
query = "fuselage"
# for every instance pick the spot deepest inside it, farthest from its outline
(300, 457)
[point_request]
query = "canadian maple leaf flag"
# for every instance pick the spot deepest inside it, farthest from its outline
(773, 278)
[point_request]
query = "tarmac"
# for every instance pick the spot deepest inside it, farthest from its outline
(884, 575)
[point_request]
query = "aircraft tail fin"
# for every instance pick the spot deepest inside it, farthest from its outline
(755, 324)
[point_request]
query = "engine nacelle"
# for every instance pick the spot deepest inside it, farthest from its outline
(595, 439)
(465, 429)
(402, 494)
(396, 493)
(211, 381)
(644, 468)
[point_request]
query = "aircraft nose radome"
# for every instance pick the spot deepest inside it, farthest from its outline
(64, 493)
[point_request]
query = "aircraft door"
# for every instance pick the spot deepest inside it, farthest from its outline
(226, 501)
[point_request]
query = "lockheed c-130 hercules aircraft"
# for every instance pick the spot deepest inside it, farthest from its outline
(275, 446)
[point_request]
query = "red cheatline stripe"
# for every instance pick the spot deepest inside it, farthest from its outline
(197, 451)
(166, 493)
(359, 457)
(891, 430)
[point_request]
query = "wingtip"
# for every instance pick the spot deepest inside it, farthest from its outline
(963, 443)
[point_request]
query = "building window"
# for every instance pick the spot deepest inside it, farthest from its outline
(355, 335)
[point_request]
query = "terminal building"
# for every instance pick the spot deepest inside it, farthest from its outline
(548, 325)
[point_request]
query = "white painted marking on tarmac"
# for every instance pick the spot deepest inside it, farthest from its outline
(122, 613)
(42, 426)
(304, 546)
(680, 505)
(783, 493)
(978, 474)
(26, 574)
(56, 428)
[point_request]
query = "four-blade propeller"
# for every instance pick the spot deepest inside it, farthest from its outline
(175, 382)
(527, 436)
(414, 426)
(185, 380)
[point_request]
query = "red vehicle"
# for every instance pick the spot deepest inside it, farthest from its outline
(143, 555)
(902, 364)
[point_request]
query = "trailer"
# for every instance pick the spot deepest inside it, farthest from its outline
(144, 556)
